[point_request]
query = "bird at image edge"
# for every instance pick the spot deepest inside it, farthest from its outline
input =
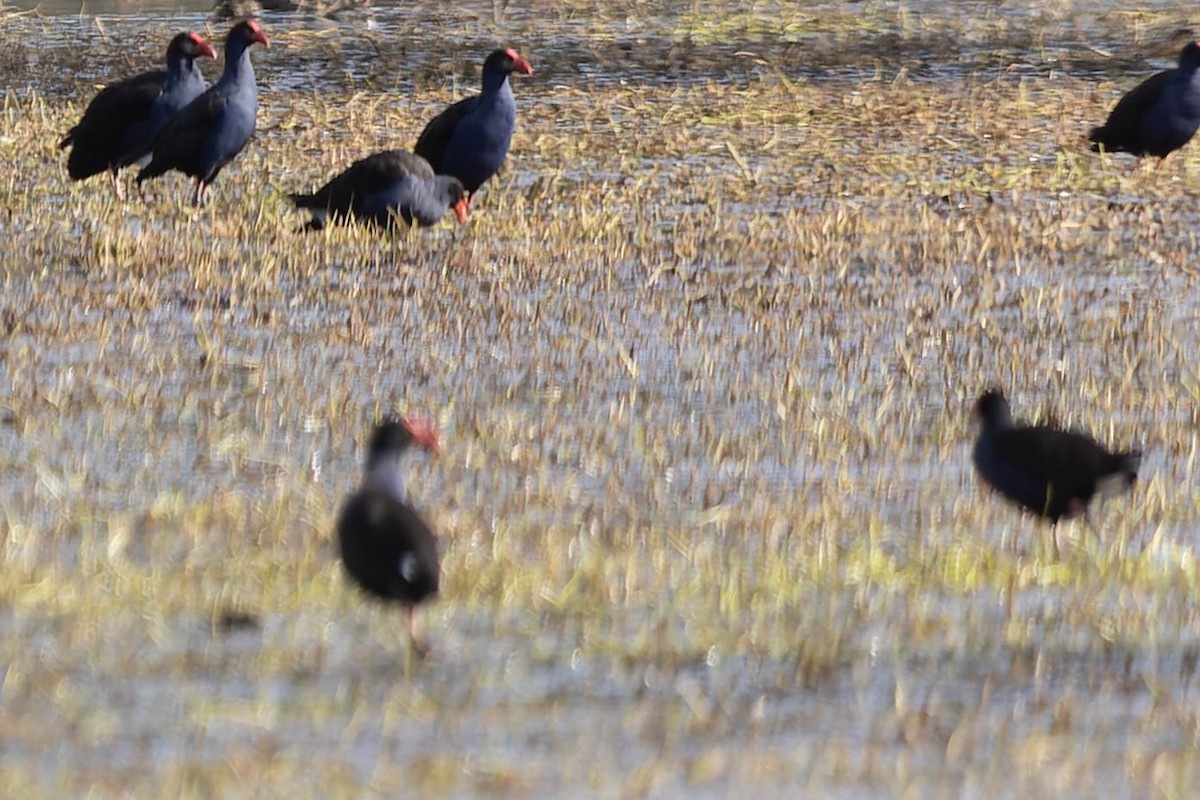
(1157, 117)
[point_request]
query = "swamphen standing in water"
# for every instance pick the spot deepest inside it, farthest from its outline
(124, 117)
(210, 131)
(470, 139)
(1051, 472)
(1159, 116)
(387, 549)
(383, 186)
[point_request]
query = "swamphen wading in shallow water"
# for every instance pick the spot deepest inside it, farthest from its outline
(210, 131)
(123, 117)
(470, 139)
(1050, 472)
(387, 549)
(1159, 116)
(381, 187)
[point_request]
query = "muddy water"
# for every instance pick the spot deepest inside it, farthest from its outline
(663, 42)
(522, 697)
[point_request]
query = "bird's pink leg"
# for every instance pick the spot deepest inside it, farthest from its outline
(116, 183)
(201, 193)
(1091, 526)
(410, 626)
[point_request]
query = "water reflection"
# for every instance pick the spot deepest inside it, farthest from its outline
(665, 42)
(102, 7)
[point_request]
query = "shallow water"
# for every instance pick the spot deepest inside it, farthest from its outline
(663, 42)
(709, 523)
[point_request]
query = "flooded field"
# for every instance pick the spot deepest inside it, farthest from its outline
(703, 360)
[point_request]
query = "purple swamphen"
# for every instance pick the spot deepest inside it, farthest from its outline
(385, 186)
(1051, 472)
(1157, 117)
(210, 131)
(386, 548)
(123, 117)
(470, 139)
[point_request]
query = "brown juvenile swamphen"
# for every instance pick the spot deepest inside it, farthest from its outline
(1157, 117)
(1051, 472)
(386, 547)
(470, 139)
(123, 117)
(383, 187)
(211, 130)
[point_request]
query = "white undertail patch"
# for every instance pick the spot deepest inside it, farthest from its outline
(408, 567)
(1114, 484)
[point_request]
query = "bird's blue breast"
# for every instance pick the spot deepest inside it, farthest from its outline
(1174, 119)
(481, 139)
(232, 130)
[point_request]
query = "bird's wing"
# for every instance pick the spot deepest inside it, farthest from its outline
(433, 140)
(364, 178)
(116, 107)
(1069, 460)
(1123, 121)
(184, 133)
(375, 531)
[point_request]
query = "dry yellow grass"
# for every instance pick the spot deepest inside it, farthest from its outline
(702, 361)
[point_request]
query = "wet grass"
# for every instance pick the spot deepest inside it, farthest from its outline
(702, 360)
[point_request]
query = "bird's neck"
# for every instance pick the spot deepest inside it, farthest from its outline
(1000, 420)
(384, 474)
(178, 71)
(429, 197)
(496, 82)
(237, 64)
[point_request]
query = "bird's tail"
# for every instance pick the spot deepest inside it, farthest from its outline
(314, 204)
(301, 200)
(1122, 472)
(151, 170)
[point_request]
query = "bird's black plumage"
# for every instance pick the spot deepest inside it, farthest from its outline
(210, 131)
(1051, 472)
(1158, 116)
(383, 186)
(123, 117)
(386, 548)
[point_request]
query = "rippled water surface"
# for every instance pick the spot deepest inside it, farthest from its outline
(703, 362)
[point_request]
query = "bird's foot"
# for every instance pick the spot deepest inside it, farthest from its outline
(419, 649)
(201, 196)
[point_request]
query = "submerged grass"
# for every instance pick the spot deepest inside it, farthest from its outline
(702, 360)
